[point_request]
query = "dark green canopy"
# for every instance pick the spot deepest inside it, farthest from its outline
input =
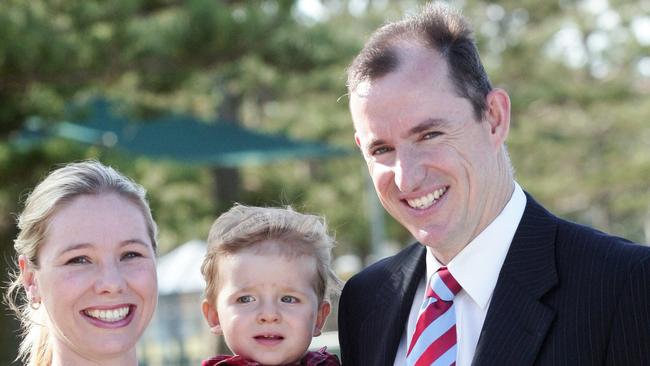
(187, 139)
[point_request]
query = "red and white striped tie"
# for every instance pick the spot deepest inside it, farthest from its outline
(434, 339)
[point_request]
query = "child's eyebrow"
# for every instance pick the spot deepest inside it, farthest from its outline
(244, 289)
(296, 290)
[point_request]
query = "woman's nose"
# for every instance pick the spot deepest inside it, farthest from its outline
(110, 279)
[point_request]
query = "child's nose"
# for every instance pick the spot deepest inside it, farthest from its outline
(268, 314)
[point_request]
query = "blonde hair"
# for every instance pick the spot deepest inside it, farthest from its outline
(297, 234)
(58, 188)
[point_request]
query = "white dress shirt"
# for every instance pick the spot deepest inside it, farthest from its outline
(476, 268)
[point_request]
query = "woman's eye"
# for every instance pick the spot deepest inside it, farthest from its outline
(289, 299)
(130, 255)
(245, 299)
(82, 259)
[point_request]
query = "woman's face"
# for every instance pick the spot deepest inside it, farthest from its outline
(97, 277)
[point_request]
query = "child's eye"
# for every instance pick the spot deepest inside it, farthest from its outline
(245, 299)
(82, 259)
(130, 255)
(289, 299)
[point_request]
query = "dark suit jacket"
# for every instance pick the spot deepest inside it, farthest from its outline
(566, 295)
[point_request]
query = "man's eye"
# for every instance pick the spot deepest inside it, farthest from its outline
(289, 299)
(245, 299)
(82, 259)
(430, 135)
(380, 150)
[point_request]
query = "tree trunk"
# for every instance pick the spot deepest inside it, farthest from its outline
(227, 181)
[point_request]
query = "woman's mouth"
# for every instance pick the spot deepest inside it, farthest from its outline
(109, 315)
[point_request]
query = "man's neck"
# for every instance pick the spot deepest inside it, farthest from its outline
(493, 209)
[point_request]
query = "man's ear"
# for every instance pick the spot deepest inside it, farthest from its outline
(356, 139)
(212, 317)
(29, 279)
(497, 114)
(321, 315)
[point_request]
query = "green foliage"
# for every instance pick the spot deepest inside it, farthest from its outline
(579, 139)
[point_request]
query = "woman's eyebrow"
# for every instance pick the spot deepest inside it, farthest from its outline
(74, 247)
(78, 246)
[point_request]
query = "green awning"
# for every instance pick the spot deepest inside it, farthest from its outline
(189, 140)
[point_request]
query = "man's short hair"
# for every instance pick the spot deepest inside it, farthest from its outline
(436, 26)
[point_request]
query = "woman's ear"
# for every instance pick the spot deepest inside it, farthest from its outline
(212, 317)
(321, 315)
(29, 279)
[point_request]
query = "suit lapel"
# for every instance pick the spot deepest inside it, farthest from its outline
(386, 321)
(517, 321)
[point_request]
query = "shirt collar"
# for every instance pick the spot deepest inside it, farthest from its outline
(477, 266)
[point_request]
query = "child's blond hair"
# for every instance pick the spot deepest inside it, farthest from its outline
(297, 234)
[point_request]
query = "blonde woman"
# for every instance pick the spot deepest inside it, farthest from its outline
(86, 285)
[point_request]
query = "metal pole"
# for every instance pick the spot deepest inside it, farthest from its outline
(376, 220)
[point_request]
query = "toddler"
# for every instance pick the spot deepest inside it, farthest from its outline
(268, 281)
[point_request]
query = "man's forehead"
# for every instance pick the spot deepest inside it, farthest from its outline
(417, 65)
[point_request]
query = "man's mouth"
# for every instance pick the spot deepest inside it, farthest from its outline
(110, 315)
(428, 200)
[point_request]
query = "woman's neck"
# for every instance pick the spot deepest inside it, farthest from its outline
(71, 358)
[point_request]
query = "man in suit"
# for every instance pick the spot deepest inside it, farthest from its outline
(534, 289)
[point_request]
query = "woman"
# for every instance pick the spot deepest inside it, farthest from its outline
(87, 286)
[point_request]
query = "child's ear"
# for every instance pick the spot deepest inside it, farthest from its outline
(211, 316)
(323, 311)
(29, 279)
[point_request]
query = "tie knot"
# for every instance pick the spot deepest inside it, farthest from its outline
(442, 285)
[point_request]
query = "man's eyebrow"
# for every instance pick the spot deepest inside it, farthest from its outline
(374, 143)
(426, 125)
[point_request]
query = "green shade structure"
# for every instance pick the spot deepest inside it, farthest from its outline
(186, 139)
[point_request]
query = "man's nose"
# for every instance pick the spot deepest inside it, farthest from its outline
(408, 171)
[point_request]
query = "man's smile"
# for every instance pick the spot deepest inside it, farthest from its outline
(427, 200)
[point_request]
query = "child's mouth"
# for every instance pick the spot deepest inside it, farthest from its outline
(269, 339)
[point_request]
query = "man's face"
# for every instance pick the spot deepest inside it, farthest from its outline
(434, 166)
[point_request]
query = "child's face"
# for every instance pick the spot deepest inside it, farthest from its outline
(266, 306)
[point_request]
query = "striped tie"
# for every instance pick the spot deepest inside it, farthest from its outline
(434, 339)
